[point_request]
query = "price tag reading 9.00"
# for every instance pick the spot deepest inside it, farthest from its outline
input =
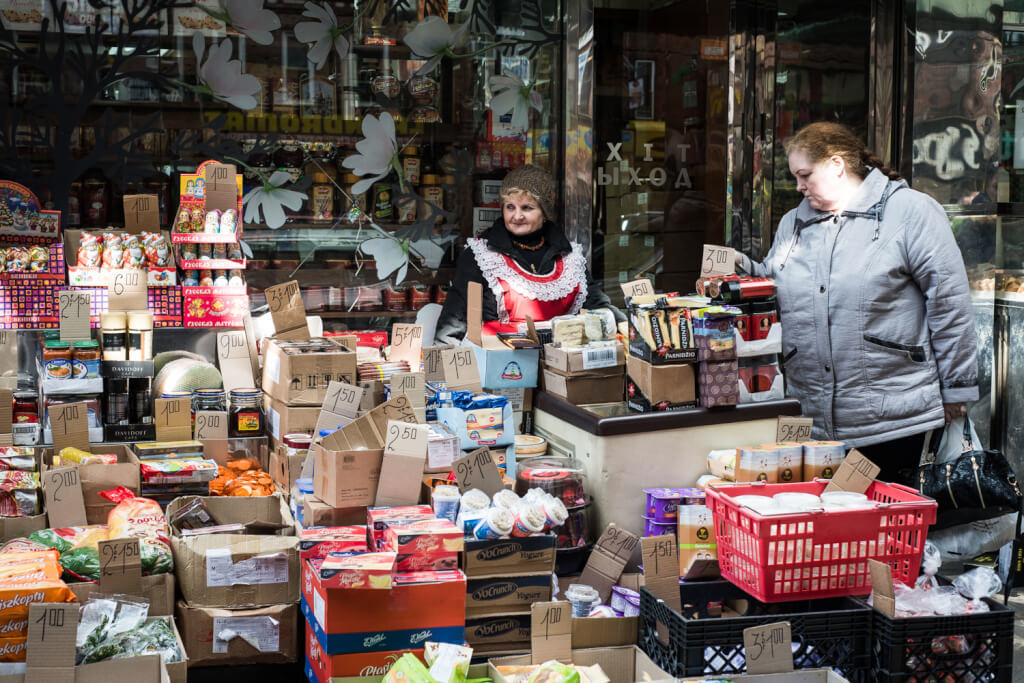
(232, 345)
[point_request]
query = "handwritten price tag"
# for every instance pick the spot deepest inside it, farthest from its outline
(717, 261)
(173, 419)
(796, 429)
(211, 425)
(403, 438)
(221, 187)
(551, 631)
(343, 399)
(856, 473)
(120, 566)
(478, 471)
(611, 553)
(141, 213)
(407, 343)
(69, 425)
(460, 369)
(65, 505)
(641, 287)
(233, 358)
(769, 648)
(52, 629)
(412, 384)
(287, 310)
(74, 315)
(127, 290)
(433, 365)
(661, 557)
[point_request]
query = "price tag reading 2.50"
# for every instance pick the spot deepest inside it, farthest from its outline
(127, 290)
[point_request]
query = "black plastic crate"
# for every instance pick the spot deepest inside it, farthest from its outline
(972, 647)
(829, 632)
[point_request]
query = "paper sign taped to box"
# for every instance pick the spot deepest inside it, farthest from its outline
(262, 633)
(221, 571)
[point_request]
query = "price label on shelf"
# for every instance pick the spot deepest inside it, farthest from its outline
(717, 261)
(287, 311)
(221, 187)
(74, 315)
(211, 425)
(141, 213)
(793, 429)
(641, 287)
(127, 290)
(460, 369)
(478, 471)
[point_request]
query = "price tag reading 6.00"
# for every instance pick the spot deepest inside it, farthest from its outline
(127, 290)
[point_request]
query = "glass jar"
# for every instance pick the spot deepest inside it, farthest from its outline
(140, 400)
(297, 444)
(57, 360)
(116, 401)
(383, 208)
(323, 197)
(86, 358)
(208, 399)
(114, 335)
(140, 335)
(245, 417)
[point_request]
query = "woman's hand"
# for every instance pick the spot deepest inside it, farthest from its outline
(954, 410)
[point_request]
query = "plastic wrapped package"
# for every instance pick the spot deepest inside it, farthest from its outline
(141, 518)
(121, 634)
(19, 494)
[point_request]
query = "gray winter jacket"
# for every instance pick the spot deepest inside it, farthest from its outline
(877, 325)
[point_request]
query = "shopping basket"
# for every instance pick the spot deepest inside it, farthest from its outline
(818, 554)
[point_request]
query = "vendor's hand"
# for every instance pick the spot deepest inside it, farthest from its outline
(954, 410)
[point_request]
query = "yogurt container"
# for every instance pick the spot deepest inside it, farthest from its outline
(496, 523)
(662, 504)
(529, 519)
(555, 512)
(475, 499)
(505, 499)
(620, 596)
(652, 527)
(582, 597)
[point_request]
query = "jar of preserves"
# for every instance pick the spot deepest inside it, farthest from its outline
(57, 360)
(245, 417)
(208, 399)
(297, 444)
(86, 359)
(411, 164)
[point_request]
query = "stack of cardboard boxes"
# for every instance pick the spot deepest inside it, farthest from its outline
(240, 591)
(504, 577)
(585, 375)
(662, 377)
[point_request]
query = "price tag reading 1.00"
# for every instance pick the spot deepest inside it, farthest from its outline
(141, 213)
(74, 315)
(127, 290)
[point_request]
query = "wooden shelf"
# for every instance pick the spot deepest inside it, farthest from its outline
(363, 314)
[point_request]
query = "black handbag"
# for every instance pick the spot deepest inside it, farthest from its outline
(977, 485)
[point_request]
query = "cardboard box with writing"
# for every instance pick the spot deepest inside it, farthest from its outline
(661, 385)
(260, 567)
(626, 664)
(285, 469)
(302, 379)
(353, 668)
(505, 594)
(97, 478)
(530, 555)
(605, 388)
(420, 606)
(264, 635)
(285, 419)
(505, 630)
(500, 367)
(318, 513)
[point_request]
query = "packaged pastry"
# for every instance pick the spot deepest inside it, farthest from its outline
(357, 570)
(178, 471)
(77, 456)
(183, 222)
(17, 260)
(228, 222)
(212, 222)
(319, 542)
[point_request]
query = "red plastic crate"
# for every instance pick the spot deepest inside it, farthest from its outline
(817, 554)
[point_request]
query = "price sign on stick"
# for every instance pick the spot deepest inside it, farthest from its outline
(407, 343)
(65, 504)
(460, 369)
(221, 187)
(173, 419)
(717, 261)
(74, 315)
(478, 471)
(127, 290)
(69, 424)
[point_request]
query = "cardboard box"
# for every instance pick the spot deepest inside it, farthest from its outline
(372, 666)
(584, 362)
(668, 384)
(798, 676)
(591, 632)
(506, 629)
(639, 348)
(506, 594)
(625, 664)
(158, 589)
(274, 628)
(500, 367)
(530, 555)
(302, 379)
(420, 606)
(318, 513)
(285, 419)
(285, 469)
(463, 424)
(443, 448)
(97, 478)
(244, 570)
(586, 389)
(18, 527)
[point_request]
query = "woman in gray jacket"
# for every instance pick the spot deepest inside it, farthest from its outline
(878, 332)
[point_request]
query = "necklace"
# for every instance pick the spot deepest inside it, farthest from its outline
(526, 247)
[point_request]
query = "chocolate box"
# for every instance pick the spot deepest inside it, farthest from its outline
(719, 383)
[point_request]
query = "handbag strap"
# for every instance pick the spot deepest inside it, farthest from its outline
(935, 441)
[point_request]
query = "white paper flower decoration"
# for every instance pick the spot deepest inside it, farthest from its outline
(510, 93)
(378, 152)
(430, 251)
(433, 39)
(248, 18)
(269, 198)
(323, 33)
(222, 77)
(390, 255)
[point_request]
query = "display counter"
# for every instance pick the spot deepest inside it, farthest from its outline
(623, 452)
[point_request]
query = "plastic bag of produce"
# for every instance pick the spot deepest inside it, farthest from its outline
(408, 669)
(141, 518)
(116, 628)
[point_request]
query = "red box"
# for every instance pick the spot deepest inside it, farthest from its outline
(377, 519)
(438, 561)
(318, 542)
(420, 606)
(324, 667)
(422, 537)
(357, 570)
(214, 306)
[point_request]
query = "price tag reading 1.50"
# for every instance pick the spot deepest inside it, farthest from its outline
(127, 290)
(74, 315)
(460, 369)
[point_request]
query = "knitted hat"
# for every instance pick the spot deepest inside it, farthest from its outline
(534, 180)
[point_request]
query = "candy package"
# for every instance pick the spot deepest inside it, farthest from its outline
(134, 256)
(17, 260)
(38, 259)
(19, 494)
(178, 471)
(17, 458)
